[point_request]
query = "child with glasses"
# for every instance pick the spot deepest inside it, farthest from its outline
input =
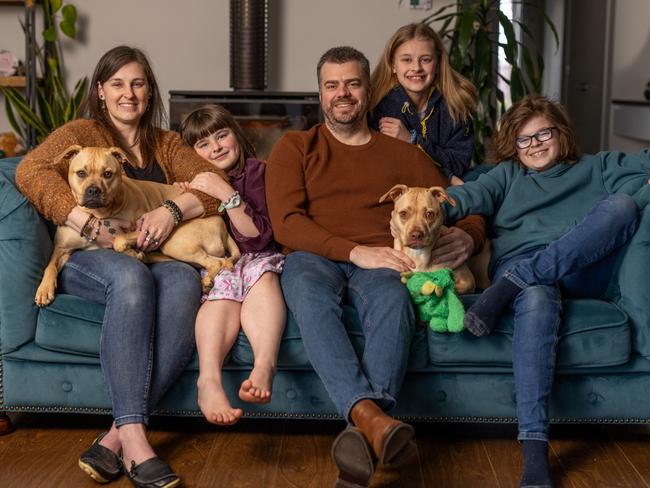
(559, 219)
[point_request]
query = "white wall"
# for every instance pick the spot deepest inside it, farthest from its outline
(188, 41)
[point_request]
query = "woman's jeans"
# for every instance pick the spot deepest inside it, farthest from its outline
(147, 335)
(315, 289)
(579, 264)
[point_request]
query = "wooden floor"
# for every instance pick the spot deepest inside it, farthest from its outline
(43, 453)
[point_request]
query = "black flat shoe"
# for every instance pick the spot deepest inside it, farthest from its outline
(152, 473)
(100, 463)
(352, 455)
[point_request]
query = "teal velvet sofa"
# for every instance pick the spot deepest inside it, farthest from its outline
(49, 357)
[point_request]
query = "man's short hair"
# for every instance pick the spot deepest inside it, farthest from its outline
(344, 54)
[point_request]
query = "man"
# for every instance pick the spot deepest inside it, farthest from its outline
(323, 187)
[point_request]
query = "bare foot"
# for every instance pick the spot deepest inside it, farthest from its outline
(215, 405)
(257, 388)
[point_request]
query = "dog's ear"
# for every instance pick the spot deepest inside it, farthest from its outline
(118, 154)
(68, 154)
(394, 193)
(441, 195)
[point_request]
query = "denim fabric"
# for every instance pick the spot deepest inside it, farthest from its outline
(579, 263)
(147, 335)
(315, 289)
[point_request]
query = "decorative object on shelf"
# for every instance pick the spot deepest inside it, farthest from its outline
(8, 63)
(647, 91)
(471, 32)
(49, 105)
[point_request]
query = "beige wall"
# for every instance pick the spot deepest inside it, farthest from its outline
(188, 41)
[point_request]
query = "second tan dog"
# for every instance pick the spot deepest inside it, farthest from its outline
(95, 177)
(416, 222)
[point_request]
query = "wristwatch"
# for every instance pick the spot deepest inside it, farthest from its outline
(233, 202)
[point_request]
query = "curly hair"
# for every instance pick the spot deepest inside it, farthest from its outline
(502, 145)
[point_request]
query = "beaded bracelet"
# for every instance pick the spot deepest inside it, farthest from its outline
(84, 229)
(174, 210)
(89, 228)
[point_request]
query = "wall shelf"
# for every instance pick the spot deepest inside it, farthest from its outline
(13, 81)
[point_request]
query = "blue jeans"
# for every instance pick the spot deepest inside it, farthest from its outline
(147, 335)
(315, 289)
(578, 264)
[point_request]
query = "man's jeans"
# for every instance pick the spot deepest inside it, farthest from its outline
(579, 264)
(315, 289)
(147, 335)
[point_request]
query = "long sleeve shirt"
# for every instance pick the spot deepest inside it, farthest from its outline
(323, 195)
(531, 208)
(449, 144)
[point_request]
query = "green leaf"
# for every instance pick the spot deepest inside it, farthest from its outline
(55, 5)
(18, 129)
(68, 28)
(465, 27)
(70, 13)
(49, 34)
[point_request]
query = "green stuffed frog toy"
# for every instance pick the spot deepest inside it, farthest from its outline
(434, 295)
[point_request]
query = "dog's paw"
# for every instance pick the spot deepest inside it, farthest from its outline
(44, 295)
(206, 284)
(405, 275)
(120, 243)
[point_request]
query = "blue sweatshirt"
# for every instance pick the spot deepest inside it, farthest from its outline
(530, 208)
(447, 143)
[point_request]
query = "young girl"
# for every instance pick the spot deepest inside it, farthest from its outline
(559, 220)
(419, 98)
(249, 294)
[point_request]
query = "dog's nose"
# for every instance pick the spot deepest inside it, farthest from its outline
(417, 235)
(93, 191)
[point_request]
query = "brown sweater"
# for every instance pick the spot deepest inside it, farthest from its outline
(44, 180)
(323, 195)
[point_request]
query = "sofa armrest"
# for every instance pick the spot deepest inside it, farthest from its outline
(629, 285)
(25, 248)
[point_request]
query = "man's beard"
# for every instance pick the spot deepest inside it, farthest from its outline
(349, 122)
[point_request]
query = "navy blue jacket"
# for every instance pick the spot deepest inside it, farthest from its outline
(447, 143)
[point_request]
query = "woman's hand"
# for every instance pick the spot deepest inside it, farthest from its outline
(453, 248)
(154, 228)
(213, 185)
(183, 185)
(395, 128)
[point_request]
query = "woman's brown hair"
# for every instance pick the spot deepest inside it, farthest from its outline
(459, 93)
(502, 145)
(152, 119)
(209, 119)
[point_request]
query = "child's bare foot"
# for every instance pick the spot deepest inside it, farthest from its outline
(257, 388)
(215, 405)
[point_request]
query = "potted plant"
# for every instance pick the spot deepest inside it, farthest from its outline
(54, 105)
(471, 30)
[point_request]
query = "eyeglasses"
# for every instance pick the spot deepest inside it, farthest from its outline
(523, 142)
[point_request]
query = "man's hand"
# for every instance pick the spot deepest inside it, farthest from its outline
(395, 128)
(453, 248)
(380, 257)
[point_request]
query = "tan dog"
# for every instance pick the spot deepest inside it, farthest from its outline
(96, 180)
(416, 223)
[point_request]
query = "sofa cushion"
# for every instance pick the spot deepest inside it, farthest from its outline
(594, 333)
(73, 325)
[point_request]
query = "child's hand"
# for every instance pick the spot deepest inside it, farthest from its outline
(455, 181)
(183, 185)
(212, 184)
(395, 128)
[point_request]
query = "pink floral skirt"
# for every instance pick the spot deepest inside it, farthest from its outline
(235, 284)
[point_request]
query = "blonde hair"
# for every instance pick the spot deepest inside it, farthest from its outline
(503, 144)
(209, 119)
(459, 93)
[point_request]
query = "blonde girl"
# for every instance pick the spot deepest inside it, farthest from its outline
(417, 97)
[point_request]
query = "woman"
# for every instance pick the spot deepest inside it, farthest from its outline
(559, 220)
(147, 334)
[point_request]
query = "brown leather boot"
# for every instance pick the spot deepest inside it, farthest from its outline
(390, 439)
